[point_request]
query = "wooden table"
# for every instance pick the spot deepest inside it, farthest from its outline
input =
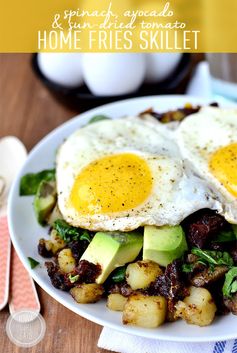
(29, 112)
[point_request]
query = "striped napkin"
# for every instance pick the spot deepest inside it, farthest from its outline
(124, 343)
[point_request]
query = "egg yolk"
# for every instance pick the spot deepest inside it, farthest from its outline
(112, 184)
(223, 165)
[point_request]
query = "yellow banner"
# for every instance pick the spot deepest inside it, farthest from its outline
(118, 26)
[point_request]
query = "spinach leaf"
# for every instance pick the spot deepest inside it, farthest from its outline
(234, 228)
(96, 118)
(33, 263)
(210, 257)
(69, 233)
(230, 284)
(85, 236)
(187, 268)
(119, 274)
(29, 183)
(225, 236)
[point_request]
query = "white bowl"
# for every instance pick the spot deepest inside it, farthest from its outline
(25, 231)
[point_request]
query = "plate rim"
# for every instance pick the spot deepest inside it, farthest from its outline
(121, 328)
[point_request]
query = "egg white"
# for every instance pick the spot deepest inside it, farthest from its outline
(175, 194)
(198, 137)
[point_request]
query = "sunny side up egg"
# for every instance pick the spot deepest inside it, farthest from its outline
(208, 140)
(125, 173)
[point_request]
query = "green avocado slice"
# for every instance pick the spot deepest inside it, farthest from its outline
(44, 200)
(111, 250)
(164, 244)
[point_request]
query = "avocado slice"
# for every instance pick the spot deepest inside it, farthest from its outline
(54, 215)
(111, 250)
(45, 200)
(164, 244)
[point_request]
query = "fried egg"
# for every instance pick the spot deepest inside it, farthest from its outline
(125, 173)
(208, 140)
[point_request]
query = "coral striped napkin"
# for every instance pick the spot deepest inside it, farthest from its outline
(23, 294)
(5, 250)
(17, 281)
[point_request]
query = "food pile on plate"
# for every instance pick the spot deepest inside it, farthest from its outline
(143, 211)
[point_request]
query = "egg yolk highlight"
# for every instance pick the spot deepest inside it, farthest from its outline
(112, 184)
(223, 165)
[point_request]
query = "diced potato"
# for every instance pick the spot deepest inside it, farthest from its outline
(87, 293)
(140, 274)
(66, 261)
(55, 243)
(54, 215)
(198, 308)
(55, 238)
(116, 302)
(49, 245)
(171, 316)
(144, 311)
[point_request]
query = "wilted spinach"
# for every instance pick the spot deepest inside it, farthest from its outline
(230, 284)
(119, 274)
(29, 183)
(211, 257)
(69, 233)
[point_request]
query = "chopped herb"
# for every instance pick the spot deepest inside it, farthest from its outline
(230, 284)
(33, 263)
(209, 257)
(29, 183)
(73, 279)
(119, 274)
(69, 233)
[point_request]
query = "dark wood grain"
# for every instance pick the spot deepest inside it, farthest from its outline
(29, 112)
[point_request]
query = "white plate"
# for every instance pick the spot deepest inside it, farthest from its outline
(25, 231)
